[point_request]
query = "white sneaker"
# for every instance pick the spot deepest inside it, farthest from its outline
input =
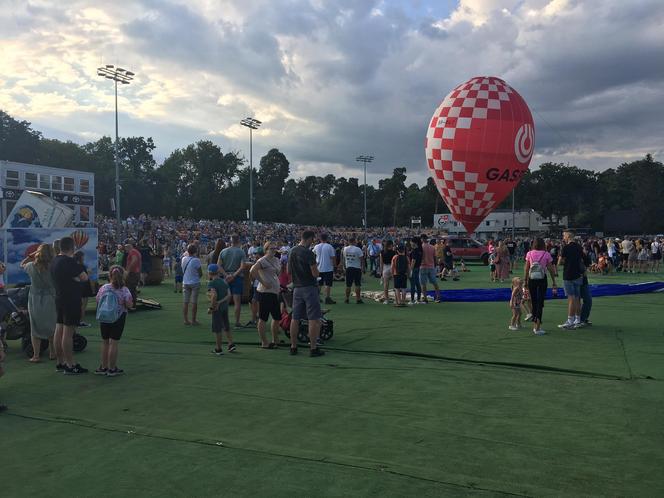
(528, 317)
(566, 325)
(539, 332)
(513, 327)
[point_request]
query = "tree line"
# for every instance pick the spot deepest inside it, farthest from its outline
(202, 181)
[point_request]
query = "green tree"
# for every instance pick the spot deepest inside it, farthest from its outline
(18, 141)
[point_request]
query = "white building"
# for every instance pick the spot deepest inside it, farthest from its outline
(72, 188)
(499, 222)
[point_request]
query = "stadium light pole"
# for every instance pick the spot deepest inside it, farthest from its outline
(118, 75)
(252, 124)
(365, 160)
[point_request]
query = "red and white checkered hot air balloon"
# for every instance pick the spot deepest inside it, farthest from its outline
(479, 144)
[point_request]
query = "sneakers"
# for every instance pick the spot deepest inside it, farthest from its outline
(359, 301)
(112, 372)
(60, 367)
(84, 324)
(316, 352)
(513, 327)
(529, 317)
(250, 324)
(75, 370)
(101, 371)
(346, 301)
(539, 332)
(329, 300)
(217, 352)
(232, 348)
(567, 326)
(293, 351)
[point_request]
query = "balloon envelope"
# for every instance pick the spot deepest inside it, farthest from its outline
(478, 146)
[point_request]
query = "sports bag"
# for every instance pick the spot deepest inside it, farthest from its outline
(108, 309)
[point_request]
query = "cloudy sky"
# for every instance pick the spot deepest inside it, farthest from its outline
(331, 79)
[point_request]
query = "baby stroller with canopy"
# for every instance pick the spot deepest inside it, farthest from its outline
(15, 322)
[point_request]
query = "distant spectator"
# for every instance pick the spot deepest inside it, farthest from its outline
(192, 273)
(353, 262)
(231, 264)
(326, 261)
(386, 256)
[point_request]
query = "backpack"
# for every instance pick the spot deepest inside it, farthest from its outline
(536, 271)
(108, 309)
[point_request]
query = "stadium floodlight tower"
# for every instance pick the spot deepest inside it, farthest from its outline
(365, 160)
(118, 75)
(252, 124)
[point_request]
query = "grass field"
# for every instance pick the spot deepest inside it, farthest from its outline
(436, 400)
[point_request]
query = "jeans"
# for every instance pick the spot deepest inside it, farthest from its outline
(415, 284)
(587, 299)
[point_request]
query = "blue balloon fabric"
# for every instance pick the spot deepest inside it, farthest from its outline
(503, 294)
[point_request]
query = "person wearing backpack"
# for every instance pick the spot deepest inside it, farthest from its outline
(538, 261)
(113, 300)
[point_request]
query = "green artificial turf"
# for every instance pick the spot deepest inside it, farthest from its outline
(435, 400)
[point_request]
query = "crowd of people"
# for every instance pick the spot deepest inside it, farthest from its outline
(292, 270)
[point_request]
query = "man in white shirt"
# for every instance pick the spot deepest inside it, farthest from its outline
(353, 261)
(656, 255)
(326, 261)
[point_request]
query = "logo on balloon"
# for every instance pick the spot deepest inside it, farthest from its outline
(524, 143)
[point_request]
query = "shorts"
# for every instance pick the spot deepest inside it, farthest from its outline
(190, 293)
(68, 311)
(492, 267)
(254, 294)
(400, 281)
(326, 278)
(113, 330)
(237, 286)
(220, 321)
(573, 287)
(178, 279)
(353, 277)
(268, 304)
(448, 265)
(656, 256)
(387, 272)
(427, 275)
(306, 305)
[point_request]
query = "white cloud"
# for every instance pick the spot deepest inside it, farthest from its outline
(334, 79)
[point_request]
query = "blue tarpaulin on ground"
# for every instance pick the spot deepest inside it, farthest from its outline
(503, 294)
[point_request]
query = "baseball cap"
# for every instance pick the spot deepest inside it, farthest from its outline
(213, 268)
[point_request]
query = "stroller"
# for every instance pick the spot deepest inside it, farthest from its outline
(326, 326)
(15, 322)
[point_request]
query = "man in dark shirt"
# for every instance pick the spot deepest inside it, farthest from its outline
(306, 306)
(571, 258)
(511, 248)
(67, 275)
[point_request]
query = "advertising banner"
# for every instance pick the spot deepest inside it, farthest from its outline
(17, 243)
(36, 210)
